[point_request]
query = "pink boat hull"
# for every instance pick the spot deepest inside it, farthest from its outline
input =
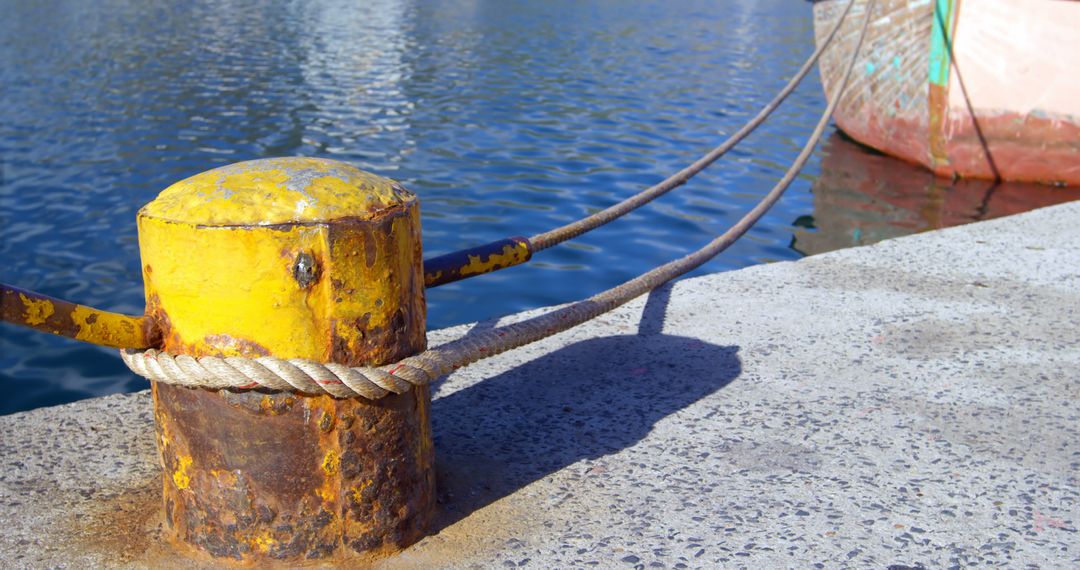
(968, 88)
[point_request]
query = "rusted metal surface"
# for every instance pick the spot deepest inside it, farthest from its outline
(260, 477)
(479, 260)
(64, 318)
(254, 476)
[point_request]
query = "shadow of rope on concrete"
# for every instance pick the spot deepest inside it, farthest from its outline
(584, 401)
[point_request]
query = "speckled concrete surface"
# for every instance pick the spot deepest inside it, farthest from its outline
(910, 404)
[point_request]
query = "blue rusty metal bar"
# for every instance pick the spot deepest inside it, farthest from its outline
(478, 260)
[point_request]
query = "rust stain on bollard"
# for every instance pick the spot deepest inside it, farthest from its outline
(346, 478)
(298, 258)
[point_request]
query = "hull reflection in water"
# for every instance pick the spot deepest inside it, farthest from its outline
(862, 197)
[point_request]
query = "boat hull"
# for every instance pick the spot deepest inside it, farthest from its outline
(968, 88)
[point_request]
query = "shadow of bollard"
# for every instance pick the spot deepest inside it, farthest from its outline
(583, 401)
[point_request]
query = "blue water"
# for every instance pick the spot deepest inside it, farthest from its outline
(506, 118)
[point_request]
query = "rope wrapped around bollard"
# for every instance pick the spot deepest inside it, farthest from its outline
(424, 368)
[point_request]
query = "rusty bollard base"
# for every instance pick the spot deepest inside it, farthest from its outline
(296, 258)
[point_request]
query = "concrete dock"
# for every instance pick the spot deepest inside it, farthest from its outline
(911, 404)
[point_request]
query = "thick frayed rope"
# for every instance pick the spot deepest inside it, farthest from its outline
(369, 382)
(424, 368)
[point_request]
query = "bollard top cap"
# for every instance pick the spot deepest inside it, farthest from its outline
(277, 191)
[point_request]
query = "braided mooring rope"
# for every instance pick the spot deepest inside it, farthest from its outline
(376, 382)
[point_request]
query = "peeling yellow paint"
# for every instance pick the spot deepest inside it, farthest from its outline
(510, 255)
(358, 491)
(263, 542)
(37, 310)
(276, 191)
(326, 420)
(331, 462)
(72, 320)
(101, 327)
(180, 476)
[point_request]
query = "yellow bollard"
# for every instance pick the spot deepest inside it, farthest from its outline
(296, 258)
